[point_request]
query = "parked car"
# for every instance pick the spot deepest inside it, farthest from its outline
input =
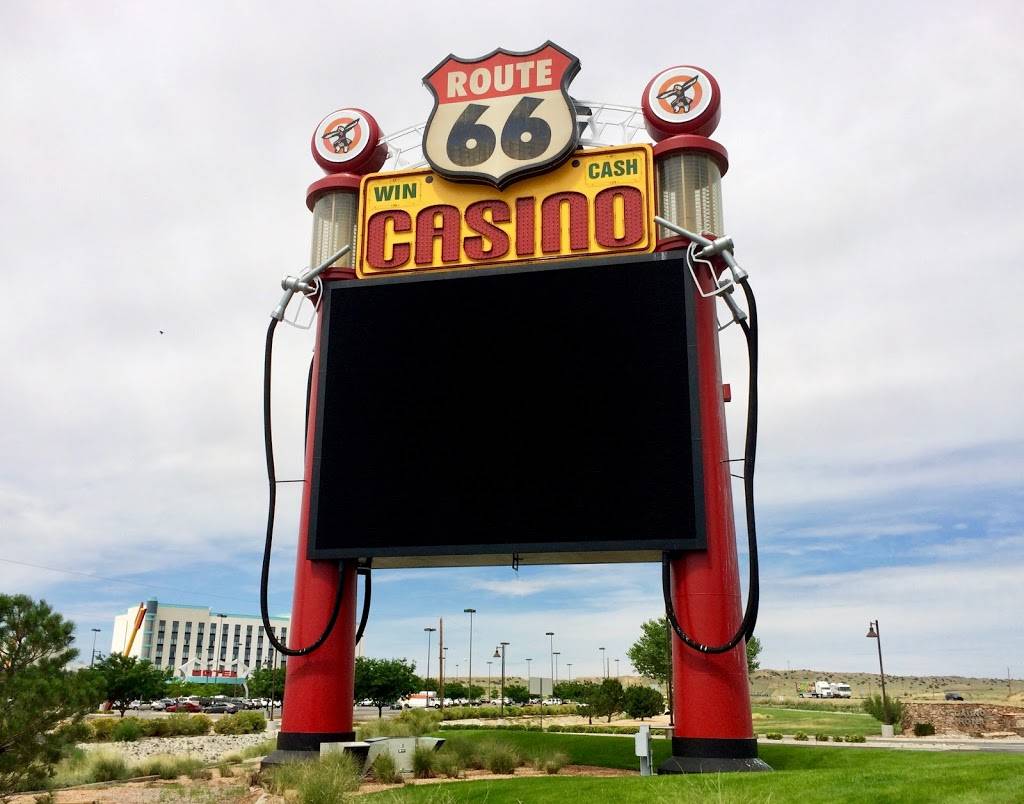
(184, 706)
(163, 703)
(954, 696)
(220, 708)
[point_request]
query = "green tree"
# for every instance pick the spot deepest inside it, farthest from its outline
(606, 698)
(37, 691)
(641, 702)
(517, 693)
(455, 689)
(569, 690)
(126, 679)
(650, 654)
(584, 693)
(384, 681)
(753, 651)
(267, 683)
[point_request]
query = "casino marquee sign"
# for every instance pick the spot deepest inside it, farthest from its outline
(507, 181)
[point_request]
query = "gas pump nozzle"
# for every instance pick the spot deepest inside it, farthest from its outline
(303, 283)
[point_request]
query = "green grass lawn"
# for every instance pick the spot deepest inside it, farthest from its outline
(790, 721)
(802, 773)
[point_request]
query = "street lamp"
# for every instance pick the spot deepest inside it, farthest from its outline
(92, 659)
(569, 665)
(552, 635)
(500, 653)
(874, 632)
(489, 692)
(429, 631)
(470, 612)
(604, 671)
(616, 668)
(554, 679)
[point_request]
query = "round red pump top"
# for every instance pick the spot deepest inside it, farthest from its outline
(347, 141)
(681, 100)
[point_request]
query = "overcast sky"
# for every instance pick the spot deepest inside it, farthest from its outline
(153, 167)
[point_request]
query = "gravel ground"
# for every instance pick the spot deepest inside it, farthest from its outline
(209, 747)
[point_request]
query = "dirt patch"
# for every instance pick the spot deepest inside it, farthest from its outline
(483, 776)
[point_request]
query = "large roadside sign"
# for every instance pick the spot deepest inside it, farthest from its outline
(503, 116)
(598, 203)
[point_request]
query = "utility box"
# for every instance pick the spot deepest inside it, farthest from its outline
(643, 750)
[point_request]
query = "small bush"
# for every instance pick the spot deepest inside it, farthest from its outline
(410, 723)
(102, 727)
(108, 768)
(127, 731)
(821, 738)
(385, 770)
(501, 758)
(773, 735)
(170, 767)
(76, 732)
(801, 736)
(449, 763)
(924, 729)
(838, 738)
(248, 722)
(551, 763)
(423, 762)
(892, 712)
(856, 738)
(329, 780)
(258, 750)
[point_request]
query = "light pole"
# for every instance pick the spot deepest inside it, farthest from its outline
(270, 661)
(569, 665)
(500, 653)
(92, 659)
(554, 679)
(429, 631)
(489, 692)
(550, 634)
(604, 671)
(616, 669)
(470, 612)
(874, 632)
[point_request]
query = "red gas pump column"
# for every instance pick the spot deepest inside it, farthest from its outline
(320, 689)
(319, 695)
(710, 692)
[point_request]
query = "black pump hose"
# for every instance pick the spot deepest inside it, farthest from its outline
(366, 572)
(272, 481)
(746, 629)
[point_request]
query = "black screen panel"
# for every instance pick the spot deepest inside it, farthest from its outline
(471, 416)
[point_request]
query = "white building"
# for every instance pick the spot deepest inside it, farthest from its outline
(200, 644)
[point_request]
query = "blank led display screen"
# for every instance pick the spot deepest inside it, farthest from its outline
(538, 414)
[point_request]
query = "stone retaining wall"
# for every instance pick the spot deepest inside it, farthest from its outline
(964, 718)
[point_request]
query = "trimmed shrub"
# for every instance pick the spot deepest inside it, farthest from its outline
(385, 770)
(801, 736)
(821, 738)
(838, 738)
(248, 722)
(856, 738)
(423, 762)
(127, 731)
(924, 729)
(773, 735)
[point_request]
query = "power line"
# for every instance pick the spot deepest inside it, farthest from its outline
(123, 580)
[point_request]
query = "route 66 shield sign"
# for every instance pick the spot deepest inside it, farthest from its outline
(503, 116)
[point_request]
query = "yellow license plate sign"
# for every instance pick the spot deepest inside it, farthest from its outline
(598, 202)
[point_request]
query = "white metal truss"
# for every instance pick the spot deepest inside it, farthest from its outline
(602, 124)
